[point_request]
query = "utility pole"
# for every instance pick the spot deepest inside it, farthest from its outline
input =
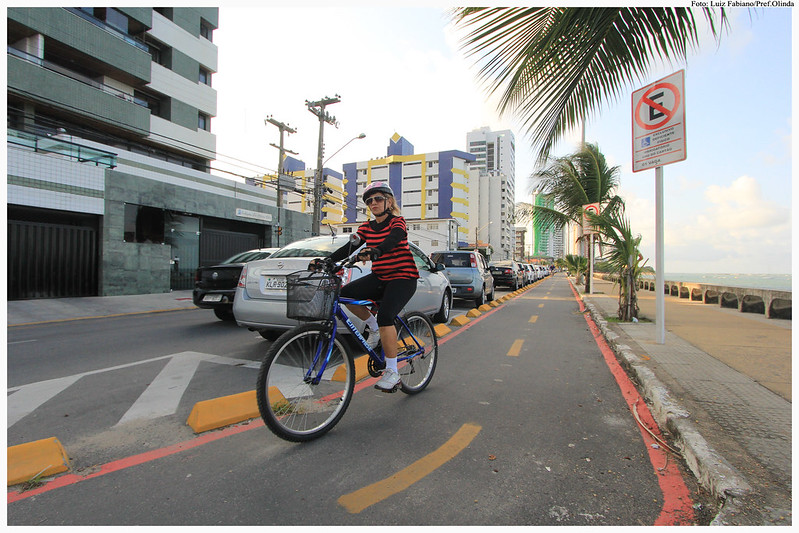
(318, 109)
(283, 128)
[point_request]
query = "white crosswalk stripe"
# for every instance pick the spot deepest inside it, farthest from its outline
(160, 398)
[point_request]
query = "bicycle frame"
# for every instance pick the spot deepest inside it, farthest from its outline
(338, 312)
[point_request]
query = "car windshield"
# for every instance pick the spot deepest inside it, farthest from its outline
(453, 259)
(244, 257)
(314, 247)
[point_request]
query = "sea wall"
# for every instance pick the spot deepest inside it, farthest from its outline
(771, 303)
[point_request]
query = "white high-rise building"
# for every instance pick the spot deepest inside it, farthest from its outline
(495, 167)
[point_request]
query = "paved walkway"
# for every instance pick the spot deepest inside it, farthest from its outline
(721, 383)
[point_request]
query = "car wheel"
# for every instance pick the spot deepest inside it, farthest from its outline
(224, 314)
(270, 334)
(442, 316)
(482, 299)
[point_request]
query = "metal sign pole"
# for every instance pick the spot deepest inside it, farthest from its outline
(660, 301)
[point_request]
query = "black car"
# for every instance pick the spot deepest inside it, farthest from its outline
(508, 274)
(215, 286)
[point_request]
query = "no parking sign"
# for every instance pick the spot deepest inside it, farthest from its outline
(659, 123)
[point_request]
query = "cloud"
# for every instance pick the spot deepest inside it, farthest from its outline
(738, 231)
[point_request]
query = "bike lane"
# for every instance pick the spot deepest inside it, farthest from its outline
(553, 445)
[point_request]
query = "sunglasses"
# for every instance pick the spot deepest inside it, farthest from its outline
(372, 199)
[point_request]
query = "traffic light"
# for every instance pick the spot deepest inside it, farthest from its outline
(280, 230)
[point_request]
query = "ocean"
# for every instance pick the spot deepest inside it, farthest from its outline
(776, 282)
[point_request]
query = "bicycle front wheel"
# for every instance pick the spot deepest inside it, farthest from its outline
(296, 402)
(418, 340)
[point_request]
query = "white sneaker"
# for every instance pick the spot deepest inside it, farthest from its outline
(373, 339)
(389, 382)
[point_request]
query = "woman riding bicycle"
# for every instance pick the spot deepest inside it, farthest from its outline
(393, 277)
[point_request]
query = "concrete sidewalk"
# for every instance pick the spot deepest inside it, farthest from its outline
(21, 312)
(721, 384)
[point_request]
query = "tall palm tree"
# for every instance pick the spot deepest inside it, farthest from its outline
(571, 182)
(556, 66)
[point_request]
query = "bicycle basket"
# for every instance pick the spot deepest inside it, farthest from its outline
(311, 295)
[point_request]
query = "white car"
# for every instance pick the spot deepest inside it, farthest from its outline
(260, 301)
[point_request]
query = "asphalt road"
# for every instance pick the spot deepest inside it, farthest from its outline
(523, 424)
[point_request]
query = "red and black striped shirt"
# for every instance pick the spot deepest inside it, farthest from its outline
(396, 262)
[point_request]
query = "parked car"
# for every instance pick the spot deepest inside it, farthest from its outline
(260, 302)
(215, 286)
(507, 273)
(468, 275)
(530, 273)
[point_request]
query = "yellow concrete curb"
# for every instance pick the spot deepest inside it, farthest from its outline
(473, 313)
(224, 411)
(459, 320)
(441, 330)
(484, 308)
(40, 458)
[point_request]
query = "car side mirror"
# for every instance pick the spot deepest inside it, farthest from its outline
(440, 267)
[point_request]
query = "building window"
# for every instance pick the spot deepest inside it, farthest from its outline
(204, 122)
(432, 226)
(206, 30)
(434, 242)
(416, 227)
(346, 230)
(205, 77)
(144, 224)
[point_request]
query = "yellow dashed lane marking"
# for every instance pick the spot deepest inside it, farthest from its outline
(540, 305)
(357, 501)
(516, 348)
(533, 319)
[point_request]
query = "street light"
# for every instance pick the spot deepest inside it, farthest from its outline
(361, 136)
(477, 233)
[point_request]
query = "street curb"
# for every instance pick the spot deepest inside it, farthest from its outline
(711, 469)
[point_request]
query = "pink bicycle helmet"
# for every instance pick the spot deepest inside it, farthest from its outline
(375, 187)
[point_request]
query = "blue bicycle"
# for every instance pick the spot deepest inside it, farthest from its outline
(308, 375)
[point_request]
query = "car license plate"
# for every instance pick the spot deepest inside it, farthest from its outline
(273, 283)
(212, 298)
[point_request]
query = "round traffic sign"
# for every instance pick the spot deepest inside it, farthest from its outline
(661, 106)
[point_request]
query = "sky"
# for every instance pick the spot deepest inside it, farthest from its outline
(400, 69)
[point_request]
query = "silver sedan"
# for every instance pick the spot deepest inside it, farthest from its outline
(260, 301)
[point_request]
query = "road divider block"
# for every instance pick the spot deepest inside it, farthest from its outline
(36, 459)
(484, 308)
(224, 411)
(473, 313)
(441, 330)
(460, 320)
(493, 303)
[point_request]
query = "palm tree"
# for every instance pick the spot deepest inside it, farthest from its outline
(577, 265)
(623, 256)
(556, 66)
(570, 183)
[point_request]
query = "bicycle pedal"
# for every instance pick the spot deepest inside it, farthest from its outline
(396, 387)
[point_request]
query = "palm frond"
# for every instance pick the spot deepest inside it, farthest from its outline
(555, 67)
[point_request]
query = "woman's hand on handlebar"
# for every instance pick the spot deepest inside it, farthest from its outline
(318, 264)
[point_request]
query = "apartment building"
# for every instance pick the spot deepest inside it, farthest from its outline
(109, 154)
(494, 165)
(432, 186)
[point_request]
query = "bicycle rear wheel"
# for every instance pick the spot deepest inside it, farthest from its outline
(420, 340)
(292, 405)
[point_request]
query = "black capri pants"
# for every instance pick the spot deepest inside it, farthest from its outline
(393, 295)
